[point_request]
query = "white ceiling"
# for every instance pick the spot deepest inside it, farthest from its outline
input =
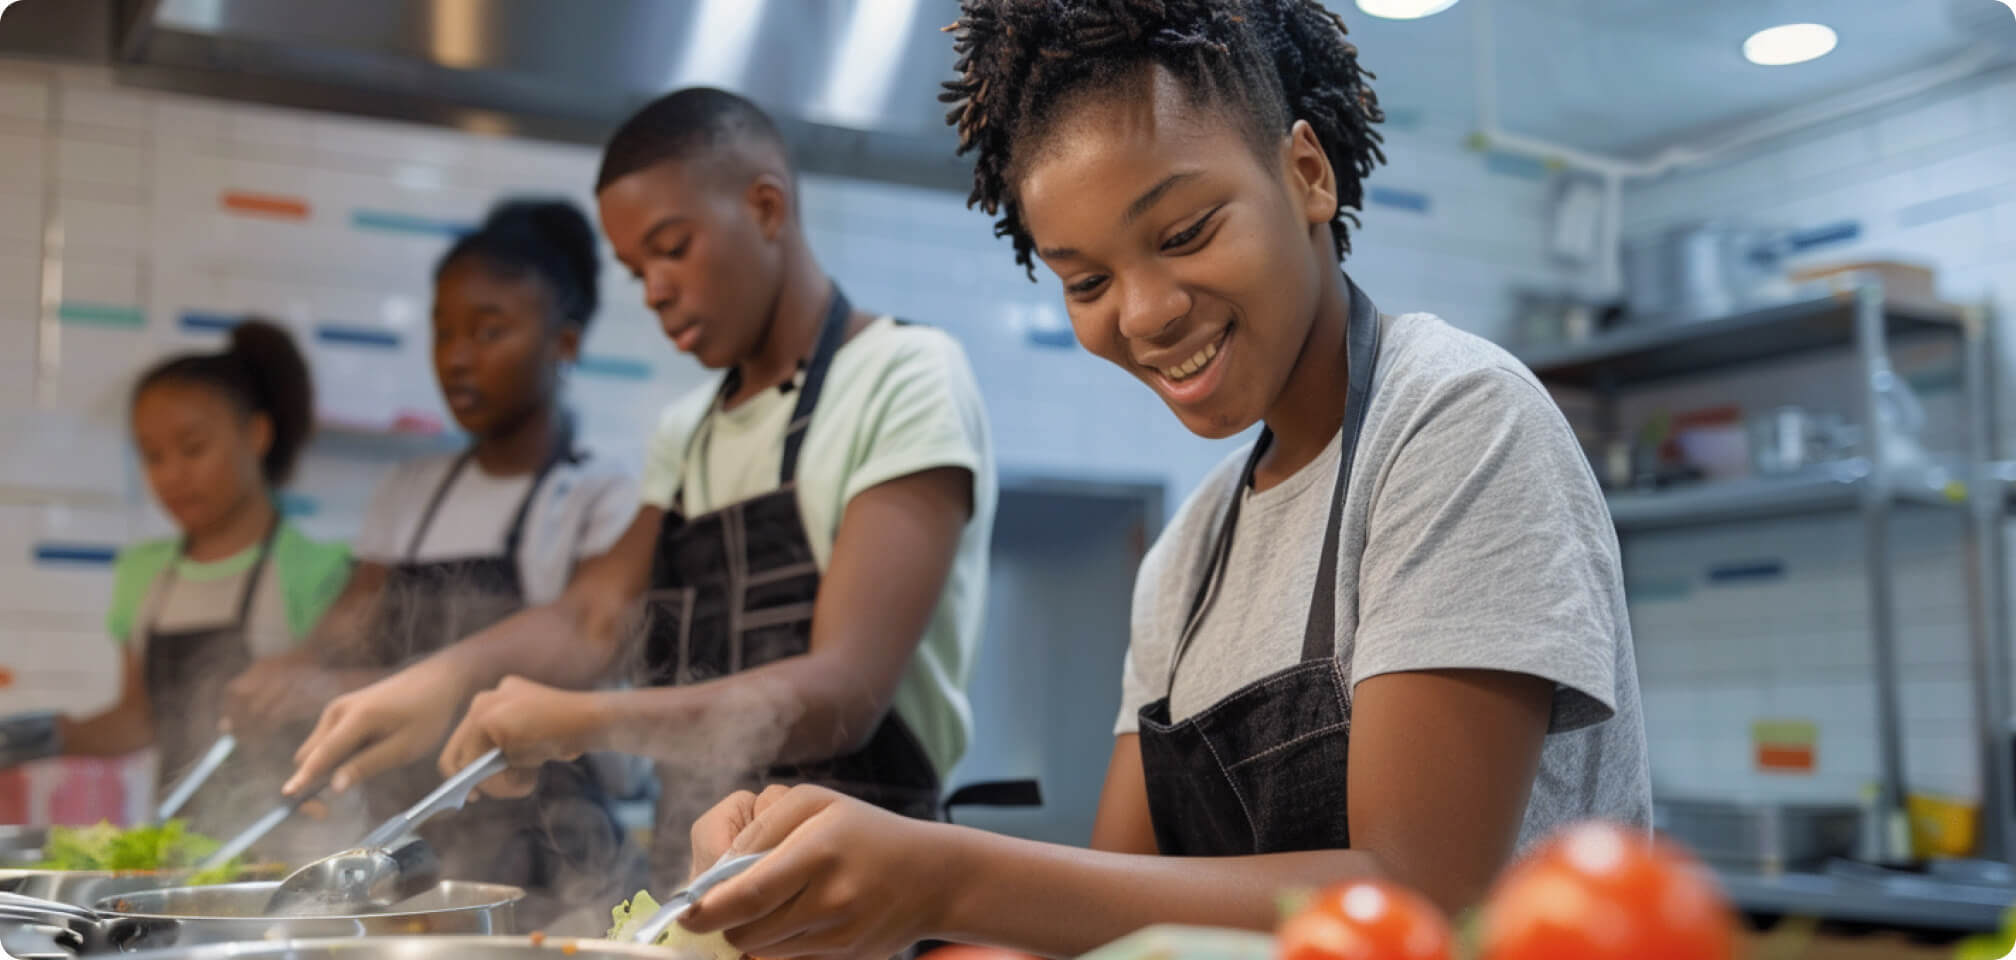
(1629, 76)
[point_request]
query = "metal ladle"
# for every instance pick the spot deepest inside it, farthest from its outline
(387, 866)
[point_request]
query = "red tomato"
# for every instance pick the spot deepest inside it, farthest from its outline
(962, 951)
(1365, 920)
(1598, 892)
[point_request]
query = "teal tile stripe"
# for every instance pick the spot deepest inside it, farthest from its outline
(101, 315)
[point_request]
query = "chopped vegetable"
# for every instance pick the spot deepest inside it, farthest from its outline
(164, 846)
(632, 913)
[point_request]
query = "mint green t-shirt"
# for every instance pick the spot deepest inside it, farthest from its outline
(303, 576)
(898, 400)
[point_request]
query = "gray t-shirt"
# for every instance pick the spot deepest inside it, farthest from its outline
(1474, 537)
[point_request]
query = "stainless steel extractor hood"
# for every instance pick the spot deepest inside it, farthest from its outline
(853, 82)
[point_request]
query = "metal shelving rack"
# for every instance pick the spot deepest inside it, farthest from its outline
(1867, 320)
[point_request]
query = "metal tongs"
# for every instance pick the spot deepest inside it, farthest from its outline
(682, 901)
(387, 866)
(194, 780)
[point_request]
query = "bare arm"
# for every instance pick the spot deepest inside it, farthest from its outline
(1441, 766)
(122, 728)
(570, 642)
(1124, 824)
(891, 558)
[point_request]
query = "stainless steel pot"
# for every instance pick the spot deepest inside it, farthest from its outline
(20, 847)
(226, 913)
(424, 948)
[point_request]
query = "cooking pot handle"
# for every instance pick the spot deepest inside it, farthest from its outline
(127, 934)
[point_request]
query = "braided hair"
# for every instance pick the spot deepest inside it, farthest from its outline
(1270, 62)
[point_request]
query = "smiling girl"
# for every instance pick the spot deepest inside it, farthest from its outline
(1386, 639)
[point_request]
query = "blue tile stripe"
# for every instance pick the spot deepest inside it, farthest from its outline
(1747, 571)
(357, 336)
(394, 222)
(614, 368)
(75, 554)
(1409, 200)
(196, 321)
(1824, 236)
(1953, 205)
(299, 505)
(1056, 338)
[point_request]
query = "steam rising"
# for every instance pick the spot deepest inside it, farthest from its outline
(584, 870)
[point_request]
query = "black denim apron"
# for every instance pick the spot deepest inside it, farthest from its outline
(1264, 769)
(186, 672)
(734, 589)
(562, 843)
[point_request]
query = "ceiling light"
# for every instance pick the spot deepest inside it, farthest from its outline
(1789, 44)
(1404, 9)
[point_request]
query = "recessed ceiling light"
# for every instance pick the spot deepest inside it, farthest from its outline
(1789, 44)
(1404, 9)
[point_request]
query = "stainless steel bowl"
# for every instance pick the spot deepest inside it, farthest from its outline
(422, 948)
(187, 916)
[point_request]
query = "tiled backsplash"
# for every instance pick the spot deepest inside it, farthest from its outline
(1933, 181)
(132, 223)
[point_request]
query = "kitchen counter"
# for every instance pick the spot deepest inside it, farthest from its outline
(1895, 900)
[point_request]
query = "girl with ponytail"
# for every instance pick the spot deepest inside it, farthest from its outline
(218, 435)
(452, 543)
(1387, 639)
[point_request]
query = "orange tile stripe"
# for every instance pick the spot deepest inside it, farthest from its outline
(1790, 759)
(265, 205)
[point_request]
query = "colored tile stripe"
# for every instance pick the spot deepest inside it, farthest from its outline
(615, 368)
(1515, 165)
(407, 223)
(277, 206)
(1824, 236)
(1745, 572)
(196, 321)
(1953, 205)
(81, 554)
(299, 505)
(1054, 337)
(1399, 199)
(1668, 589)
(357, 336)
(1785, 759)
(100, 315)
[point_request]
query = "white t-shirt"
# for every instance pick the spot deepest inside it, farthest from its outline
(898, 400)
(580, 511)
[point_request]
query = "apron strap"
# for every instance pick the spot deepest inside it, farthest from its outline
(434, 504)
(563, 450)
(832, 332)
(1319, 635)
(246, 595)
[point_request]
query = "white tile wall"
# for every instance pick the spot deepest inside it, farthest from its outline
(136, 181)
(1931, 180)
